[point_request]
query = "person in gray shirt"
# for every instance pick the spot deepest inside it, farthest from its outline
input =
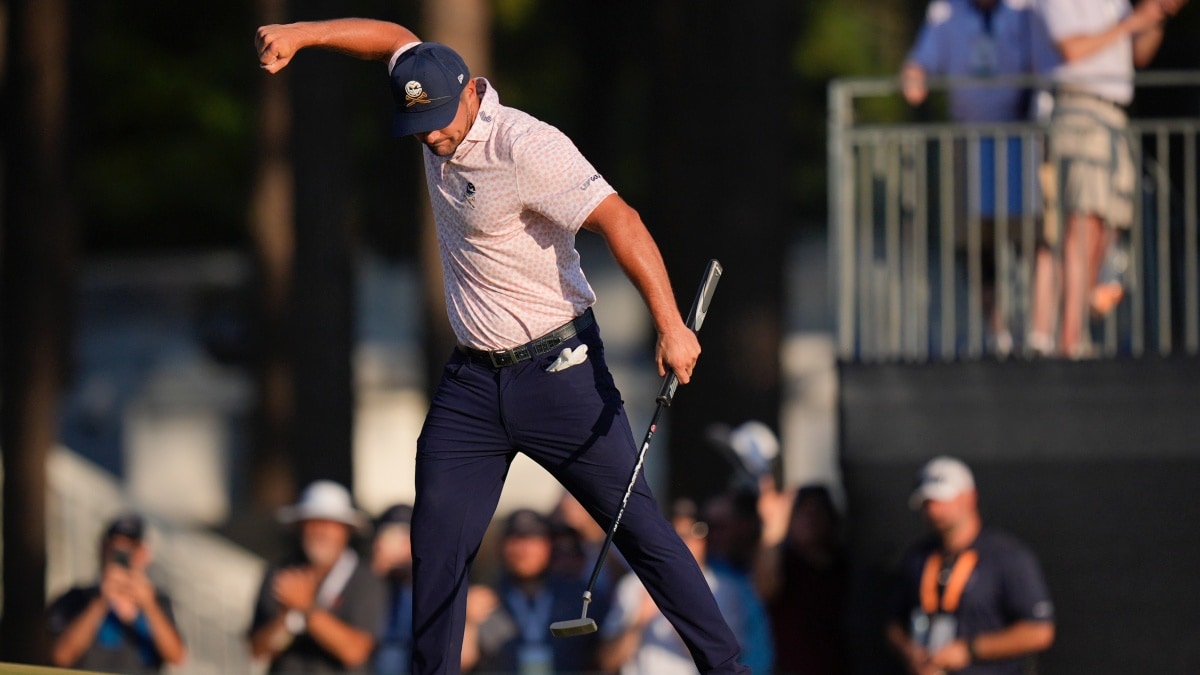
(318, 611)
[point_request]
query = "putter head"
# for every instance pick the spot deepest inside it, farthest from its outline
(573, 627)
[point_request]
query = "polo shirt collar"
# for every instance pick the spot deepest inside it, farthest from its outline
(489, 105)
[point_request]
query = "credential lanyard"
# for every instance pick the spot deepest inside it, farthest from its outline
(531, 614)
(942, 594)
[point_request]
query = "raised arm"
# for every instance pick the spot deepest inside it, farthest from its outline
(361, 38)
(1144, 25)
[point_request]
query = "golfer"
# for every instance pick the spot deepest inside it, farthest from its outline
(509, 193)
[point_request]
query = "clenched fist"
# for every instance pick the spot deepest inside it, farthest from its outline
(277, 44)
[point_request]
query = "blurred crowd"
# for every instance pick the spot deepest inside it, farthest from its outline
(965, 597)
(342, 602)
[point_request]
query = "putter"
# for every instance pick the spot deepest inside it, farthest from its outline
(584, 625)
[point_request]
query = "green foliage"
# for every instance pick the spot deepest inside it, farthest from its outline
(838, 41)
(164, 104)
(512, 15)
(165, 100)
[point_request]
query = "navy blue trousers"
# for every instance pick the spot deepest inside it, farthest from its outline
(572, 423)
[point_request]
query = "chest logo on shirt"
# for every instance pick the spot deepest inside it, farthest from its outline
(414, 93)
(469, 194)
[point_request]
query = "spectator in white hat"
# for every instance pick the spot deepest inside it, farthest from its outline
(970, 600)
(317, 612)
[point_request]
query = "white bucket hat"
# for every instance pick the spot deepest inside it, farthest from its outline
(324, 500)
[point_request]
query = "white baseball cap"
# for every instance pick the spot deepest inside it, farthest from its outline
(941, 479)
(756, 445)
(324, 500)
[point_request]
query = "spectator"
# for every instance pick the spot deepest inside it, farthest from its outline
(735, 529)
(318, 611)
(122, 623)
(970, 600)
(802, 576)
(734, 532)
(980, 39)
(578, 540)
(512, 629)
(1095, 46)
(391, 560)
(638, 640)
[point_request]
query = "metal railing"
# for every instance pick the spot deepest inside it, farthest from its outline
(919, 277)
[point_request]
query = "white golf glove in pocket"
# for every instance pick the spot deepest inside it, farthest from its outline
(567, 358)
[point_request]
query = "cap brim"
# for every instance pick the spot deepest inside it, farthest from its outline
(935, 493)
(290, 515)
(409, 123)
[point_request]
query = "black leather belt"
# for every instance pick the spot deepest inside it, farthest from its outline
(536, 347)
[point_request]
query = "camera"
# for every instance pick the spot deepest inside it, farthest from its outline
(121, 557)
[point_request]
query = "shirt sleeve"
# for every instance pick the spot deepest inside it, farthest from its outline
(65, 609)
(1027, 597)
(903, 597)
(1066, 18)
(928, 51)
(555, 180)
(396, 55)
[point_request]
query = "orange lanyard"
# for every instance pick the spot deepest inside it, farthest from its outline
(949, 598)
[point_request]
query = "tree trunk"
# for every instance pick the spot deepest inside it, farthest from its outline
(721, 191)
(36, 293)
(323, 288)
(465, 26)
(271, 228)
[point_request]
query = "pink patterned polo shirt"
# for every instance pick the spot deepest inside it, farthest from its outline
(507, 207)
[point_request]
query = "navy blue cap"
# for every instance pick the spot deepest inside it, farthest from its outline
(396, 514)
(128, 525)
(527, 523)
(426, 82)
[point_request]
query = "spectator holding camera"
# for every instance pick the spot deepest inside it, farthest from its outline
(123, 623)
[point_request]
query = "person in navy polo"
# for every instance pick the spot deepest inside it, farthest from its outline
(970, 600)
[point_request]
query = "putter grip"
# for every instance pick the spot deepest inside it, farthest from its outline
(704, 295)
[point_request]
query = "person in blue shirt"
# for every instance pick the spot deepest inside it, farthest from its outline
(514, 635)
(972, 41)
(122, 623)
(391, 560)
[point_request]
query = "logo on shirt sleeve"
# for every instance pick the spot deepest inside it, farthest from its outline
(588, 183)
